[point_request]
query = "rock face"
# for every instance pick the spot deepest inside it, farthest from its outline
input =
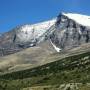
(69, 33)
(65, 32)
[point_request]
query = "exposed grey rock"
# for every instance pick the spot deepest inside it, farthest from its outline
(64, 32)
(69, 34)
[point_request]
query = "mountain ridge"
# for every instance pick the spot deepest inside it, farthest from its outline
(63, 32)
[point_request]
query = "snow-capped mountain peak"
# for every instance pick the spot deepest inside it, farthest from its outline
(38, 26)
(79, 18)
(31, 32)
(67, 31)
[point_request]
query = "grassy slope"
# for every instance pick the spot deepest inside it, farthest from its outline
(73, 69)
(36, 56)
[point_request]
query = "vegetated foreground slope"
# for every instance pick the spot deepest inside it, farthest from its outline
(72, 69)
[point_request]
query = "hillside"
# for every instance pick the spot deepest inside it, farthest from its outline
(36, 56)
(72, 69)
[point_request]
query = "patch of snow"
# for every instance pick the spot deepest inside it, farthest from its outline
(34, 31)
(81, 19)
(80, 31)
(55, 47)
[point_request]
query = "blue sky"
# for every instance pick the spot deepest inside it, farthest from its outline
(19, 12)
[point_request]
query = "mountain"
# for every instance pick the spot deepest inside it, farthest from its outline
(71, 31)
(51, 55)
(33, 45)
(23, 37)
(65, 32)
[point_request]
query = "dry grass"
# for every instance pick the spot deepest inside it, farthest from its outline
(36, 56)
